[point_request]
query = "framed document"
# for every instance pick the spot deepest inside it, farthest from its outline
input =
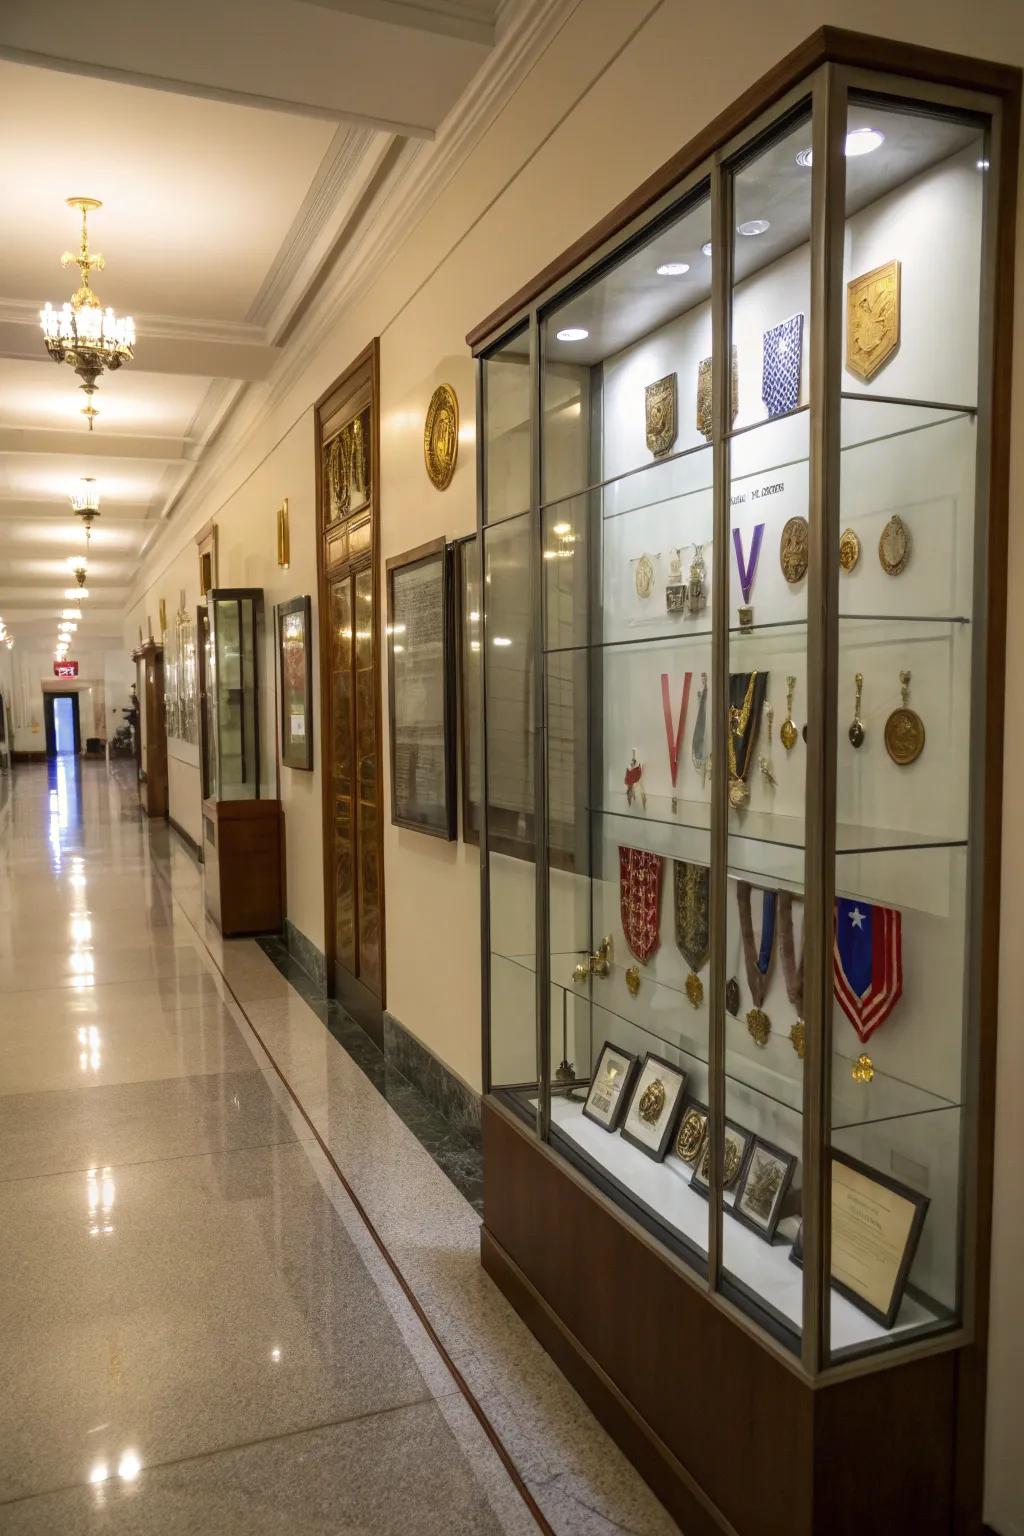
(876, 1225)
(293, 631)
(735, 1148)
(609, 1086)
(654, 1105)
(762, 1187)
(421, 691)
(468, 629)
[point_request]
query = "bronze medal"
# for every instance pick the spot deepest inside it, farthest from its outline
(849, 549)
(894, 546)
(904, 730)
(793, 555)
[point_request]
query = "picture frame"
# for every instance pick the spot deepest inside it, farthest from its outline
(735, 1153)
(469, 629)
(606, 1098)
(421, 689)
(693, 1123)
(876, 1293)
(653, 1136)
(762, 1187)
(295, 683)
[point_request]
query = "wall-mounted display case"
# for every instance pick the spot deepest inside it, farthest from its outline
(742, 508)
(241, 828)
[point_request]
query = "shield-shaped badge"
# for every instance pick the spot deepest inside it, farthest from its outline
(660, 399)
(872, 319)
(639, 900)
(867, 962)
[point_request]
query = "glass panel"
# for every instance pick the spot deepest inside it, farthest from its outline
(470, 630)
(768, 701)
(509, 688)
(915, 187)
(506, 417)
(367, 780)
(342, 761)
(233, 684)
(206, 728)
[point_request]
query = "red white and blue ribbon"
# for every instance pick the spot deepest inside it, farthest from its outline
(747, 568)
(867, 963)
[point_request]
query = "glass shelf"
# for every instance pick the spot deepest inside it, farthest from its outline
(797, 628)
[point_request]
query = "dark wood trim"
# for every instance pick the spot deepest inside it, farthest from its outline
(827, 45)
(28, 757)
(364, 370)
(432, 550)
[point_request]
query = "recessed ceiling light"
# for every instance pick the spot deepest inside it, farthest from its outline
(706, 248)
(859, 141)
(572, 333)
(804, 157)
(673, 268)
(753, 227)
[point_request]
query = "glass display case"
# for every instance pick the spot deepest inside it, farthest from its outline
(241, 828)
(735, 523)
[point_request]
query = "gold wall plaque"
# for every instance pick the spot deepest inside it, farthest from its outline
(660, 414)
(704, 394)
(872, 319)
(441, 436)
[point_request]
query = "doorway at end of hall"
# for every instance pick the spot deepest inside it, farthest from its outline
(63, 733)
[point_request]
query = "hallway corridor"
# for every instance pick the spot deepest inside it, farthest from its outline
(199, 1331)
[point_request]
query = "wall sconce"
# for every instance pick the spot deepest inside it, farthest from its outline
(283, 537)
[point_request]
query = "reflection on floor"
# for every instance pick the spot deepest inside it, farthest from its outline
(201, 1330)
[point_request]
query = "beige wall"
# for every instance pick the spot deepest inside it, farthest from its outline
(618, 90)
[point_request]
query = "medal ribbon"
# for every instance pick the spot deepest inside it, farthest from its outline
(757, 966)
(747, 568)
(792, 968)
(746, 696)
(698, 751)
(674, 741)
(692, 887)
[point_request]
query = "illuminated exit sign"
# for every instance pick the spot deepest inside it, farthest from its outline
(65, 669)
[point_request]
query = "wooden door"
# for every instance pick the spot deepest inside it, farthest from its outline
(350, 629)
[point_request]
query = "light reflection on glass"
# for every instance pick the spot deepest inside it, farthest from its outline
(100, 1192)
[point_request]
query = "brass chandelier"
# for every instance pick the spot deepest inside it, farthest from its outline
(82, 333)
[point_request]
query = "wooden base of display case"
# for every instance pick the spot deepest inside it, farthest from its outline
(730, 1436)
(242, 858)
(153, 794)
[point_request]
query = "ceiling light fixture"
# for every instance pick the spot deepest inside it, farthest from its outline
(753, 227)
(75, 594)
(82, 333)
(85, 500)
(572, 333)
(859, 141)
(673, 269)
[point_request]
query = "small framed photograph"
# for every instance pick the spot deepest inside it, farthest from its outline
(421, 690)
(734, 1156)
(654, 1106)
(296, 683)
(608, 1094)
(762, 1188)
(693, 1128)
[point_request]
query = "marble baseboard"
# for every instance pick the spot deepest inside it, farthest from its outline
(190, 842)
(450, 1096)
(306, 954)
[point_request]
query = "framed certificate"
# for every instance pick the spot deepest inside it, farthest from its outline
(654, 1106)
(421, 691)
(609, 1086)
(762, 1187)
(293, 628)
(876, 1225)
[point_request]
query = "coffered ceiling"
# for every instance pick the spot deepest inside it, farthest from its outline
(235, 146)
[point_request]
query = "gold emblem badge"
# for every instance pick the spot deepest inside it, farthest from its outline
(872, 319)
(441, 436)
(759, 1026)
(660, 401)
(652, 1102)
(863, 1069)
(798, 1038)
(691, 1136)
(849, 549)
(633, 980)
(793, 554)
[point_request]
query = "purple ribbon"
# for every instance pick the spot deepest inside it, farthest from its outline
(747, 568)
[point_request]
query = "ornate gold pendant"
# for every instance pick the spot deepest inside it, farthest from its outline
(798, 1038)
(849, 549)
(633, 980)
(856, 731)
(788, 734)
(793, 553)
(652, 1102)
(904, 730)
(759, 1026)
(894, 546)
(739, 794)
(660, 414)
(863, 1069)
(694, 989)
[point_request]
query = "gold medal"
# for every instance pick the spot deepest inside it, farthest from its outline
(652, 1102)
(788, 731)
(793, 554)
(798, 1038)
(691, 1135)
(694, 989)
(894, 546)
(633, 980)
(856, 731)
(759, 1026)
(849, 549)
(863, 1069)
(904, 729)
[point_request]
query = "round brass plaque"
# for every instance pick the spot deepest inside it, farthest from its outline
(849, 549)
(894, 546)
(441, 436)
(793, 550)
(904, 736)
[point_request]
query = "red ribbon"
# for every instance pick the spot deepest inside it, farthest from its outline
(674, 741)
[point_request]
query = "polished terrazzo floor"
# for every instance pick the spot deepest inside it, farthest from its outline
(201, 1329)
